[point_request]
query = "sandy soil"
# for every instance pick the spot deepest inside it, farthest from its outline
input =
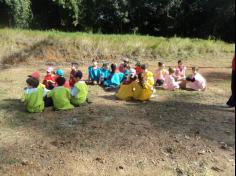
(175, 134)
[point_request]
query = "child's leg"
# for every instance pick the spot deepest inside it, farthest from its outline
(48, 102)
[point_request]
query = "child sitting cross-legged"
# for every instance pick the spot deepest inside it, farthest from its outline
(79, 92)
(104, 73)
(33, 96)
(126, 90)
(160, 74)
(114, 79)
(170, 83)
(94, 73)
(61, 96)
(74, 69)
(196, 81)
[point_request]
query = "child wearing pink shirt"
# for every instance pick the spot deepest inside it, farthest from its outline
(160, 74)
(170, 83)
(180, 71)
(196, 81)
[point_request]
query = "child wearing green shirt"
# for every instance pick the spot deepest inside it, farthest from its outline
(61, 96)
(79, 92)
(33, 96)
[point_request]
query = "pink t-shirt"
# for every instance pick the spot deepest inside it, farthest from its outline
(160, 74)
(180, 72)
(170, 83)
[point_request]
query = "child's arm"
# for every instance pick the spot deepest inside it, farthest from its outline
(74, 92)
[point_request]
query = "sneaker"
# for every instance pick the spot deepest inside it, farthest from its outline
(226, 106)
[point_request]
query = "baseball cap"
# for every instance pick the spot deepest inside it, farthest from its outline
(35, 75)
(60, 72)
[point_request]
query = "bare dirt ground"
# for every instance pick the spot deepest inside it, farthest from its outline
(175, 134)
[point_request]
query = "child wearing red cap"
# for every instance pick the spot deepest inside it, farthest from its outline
(36, 75)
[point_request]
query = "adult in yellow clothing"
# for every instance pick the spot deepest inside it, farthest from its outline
(126, 90)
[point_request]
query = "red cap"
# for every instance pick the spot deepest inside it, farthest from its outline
(35, 75)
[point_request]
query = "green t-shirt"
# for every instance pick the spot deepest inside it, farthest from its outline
(61, 98)
(33, 99)
(79, 93)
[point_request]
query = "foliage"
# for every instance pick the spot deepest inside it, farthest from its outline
(188, 18)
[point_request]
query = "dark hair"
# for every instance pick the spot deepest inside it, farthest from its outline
(113, 68)
(75, 64)
(141, 79)
(126, 66)
(171, 70)
(144, 66)
(32, 82)
(95, 60)
(79, 74)
(60, 81)
(180, 61)
(160, 64)
(138, 64)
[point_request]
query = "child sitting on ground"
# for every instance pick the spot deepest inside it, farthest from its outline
(160, 74)
(138, 68)
(49, 79)
(180, 71)
(196, 81)
(104, 73)
(94, 73)
(114, 79)
(61, 73)
(170, 83)
(61, 96)
(126, 90)
(74, 69)
(33, 96)
(123, 65)
(143, 90)
(80, 90)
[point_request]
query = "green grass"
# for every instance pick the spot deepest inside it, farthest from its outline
(18, 45)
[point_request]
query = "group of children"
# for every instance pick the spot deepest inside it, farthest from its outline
(130, 83)
(55, 90)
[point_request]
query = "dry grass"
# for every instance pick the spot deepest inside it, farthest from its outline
(22, 45)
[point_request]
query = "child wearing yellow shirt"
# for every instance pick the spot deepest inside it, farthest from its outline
(33, 96)
(79, 92)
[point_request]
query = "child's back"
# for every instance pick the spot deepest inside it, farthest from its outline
(33, 96)
(79, 93)
(61, 98)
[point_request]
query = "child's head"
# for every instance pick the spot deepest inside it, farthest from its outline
(160, 65)
(35, 75)
(138, 64)
(126, 60)
(32, 82)
(95, 62)
(74, 66)
(144, 67)
(126, 67)
(60, 73)
(180, 63)
(113, 68)
(60, 81)
(105, 66)
(49, 70)
(78, 75)
(195, 70)
(171, 71)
